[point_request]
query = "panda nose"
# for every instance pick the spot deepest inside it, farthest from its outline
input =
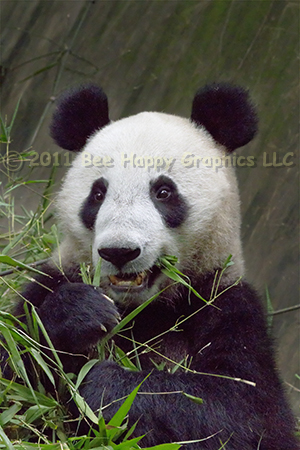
(119, 256)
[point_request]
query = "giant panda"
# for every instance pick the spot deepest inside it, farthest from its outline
(139, 189)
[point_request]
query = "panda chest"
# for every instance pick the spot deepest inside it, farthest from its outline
(163, 351)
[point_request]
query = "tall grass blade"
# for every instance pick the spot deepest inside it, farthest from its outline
(5, 440)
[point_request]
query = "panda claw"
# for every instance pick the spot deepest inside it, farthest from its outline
(103, 328)
(108, 298)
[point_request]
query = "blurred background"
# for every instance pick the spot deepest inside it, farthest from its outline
(154, 55)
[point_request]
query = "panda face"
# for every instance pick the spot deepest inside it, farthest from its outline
(135, 224)
(129, 199)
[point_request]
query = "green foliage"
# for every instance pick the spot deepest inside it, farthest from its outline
(270, 308)
(5, 136)
(167, 266)
(14, 263)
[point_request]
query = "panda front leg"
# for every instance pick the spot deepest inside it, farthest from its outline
(229, 417)
(164, 414)
(75, 315)
(243, 402)
(160, 409)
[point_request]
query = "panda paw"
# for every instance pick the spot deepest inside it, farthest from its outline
(76, 316)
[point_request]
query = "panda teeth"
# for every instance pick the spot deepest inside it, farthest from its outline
(128, 280)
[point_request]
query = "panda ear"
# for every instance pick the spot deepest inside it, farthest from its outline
(227, 114)
(79, 113)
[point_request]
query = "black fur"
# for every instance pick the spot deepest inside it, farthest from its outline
(89, 210)
(79, 113)
(167, 200)
(74, 314)
(226, 339)
(227, 114)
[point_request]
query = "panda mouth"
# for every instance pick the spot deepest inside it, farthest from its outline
(125, 281)
(128, 280)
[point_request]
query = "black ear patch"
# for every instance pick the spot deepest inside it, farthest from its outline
(227, 114)
(79, 113)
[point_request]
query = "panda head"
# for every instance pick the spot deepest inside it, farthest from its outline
(151, 185)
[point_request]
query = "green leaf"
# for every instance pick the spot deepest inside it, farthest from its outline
(102, 431)
(85, 273)
(5, 440)
(30, 446)
(167, 267)
(9, 413)
(228, 262)
(270, 309)
(130, 431)
(114, 433)
(130, 444)
(37, 72)
(170, 446)
(96, 279)
(13, 117)
(6, 129)
(24, 394)
(14, 352)
(4, 139)
(122, 412)
(161, 366)
(46, 336)
(194, 399)
(127, 319)
(84, 371)
(40, 360)
(123, 360)
(84, 407)
(13, 262)
(35, 412)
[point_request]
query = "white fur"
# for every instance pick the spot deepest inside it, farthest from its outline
(128, 217)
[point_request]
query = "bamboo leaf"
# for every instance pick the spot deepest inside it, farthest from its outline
(46, 336)
(13, 117)
(14, 263)
(197, 400)
(170, 446)
(35, 412)
(96, 279)
(84, 407)
(122, 412)
(38, 357)
(9, 413)
(84, 371)
(128, 318)
(23, 393)
(5, 440)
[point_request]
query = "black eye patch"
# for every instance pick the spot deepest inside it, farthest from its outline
(92, 203)
(171, 205)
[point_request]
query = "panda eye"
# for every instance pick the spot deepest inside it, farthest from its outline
(98, 196)
(164, 193)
